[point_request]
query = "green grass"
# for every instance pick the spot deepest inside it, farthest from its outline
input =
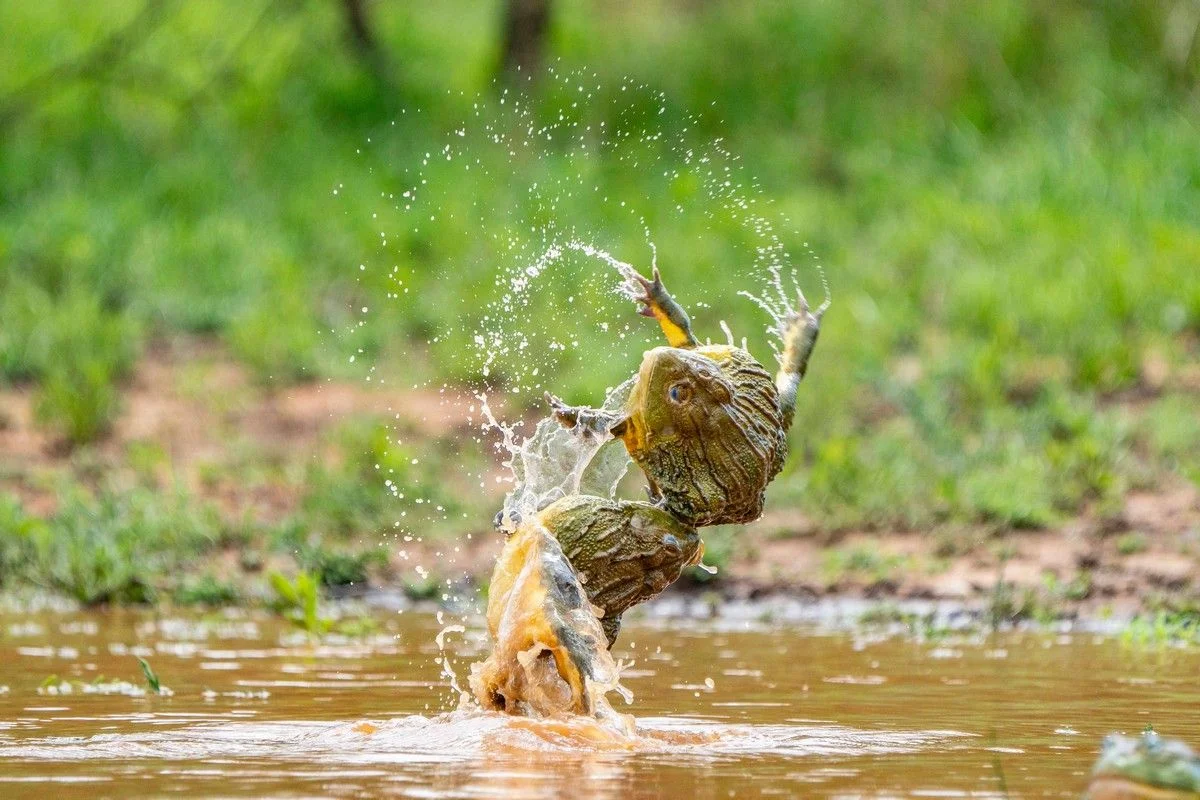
(1004, 199)
(299, 600)
(1163, 628)
(153, 684)
(206, 590)
(137, 538)
(108, 546)
(861, 563)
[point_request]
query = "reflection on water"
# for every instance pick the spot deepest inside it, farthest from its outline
(760, 711)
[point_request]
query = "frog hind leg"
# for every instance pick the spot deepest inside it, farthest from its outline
(657, 302)
(800, 330)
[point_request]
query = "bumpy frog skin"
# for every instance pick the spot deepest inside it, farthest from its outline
(1148, 767)
(708, 427)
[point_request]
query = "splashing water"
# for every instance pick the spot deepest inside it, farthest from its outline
(780, 307)
(554, 463)
(444, 660)
(529, 192)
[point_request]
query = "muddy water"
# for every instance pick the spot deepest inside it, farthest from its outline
(752, 712)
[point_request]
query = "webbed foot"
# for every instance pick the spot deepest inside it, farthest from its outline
(655, 301)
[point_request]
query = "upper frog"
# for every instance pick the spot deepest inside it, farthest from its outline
(1147, 766)
(707, 424)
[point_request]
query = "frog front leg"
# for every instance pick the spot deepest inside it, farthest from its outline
(583, 421)
(657, 302)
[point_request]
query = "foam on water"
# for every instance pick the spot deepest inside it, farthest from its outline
(469, 734)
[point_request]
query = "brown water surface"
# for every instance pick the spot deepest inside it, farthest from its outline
(750, 711)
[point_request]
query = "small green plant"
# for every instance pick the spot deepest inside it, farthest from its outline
(87, 351)
(79, 401)
(1132, 543)
(299, 600)
(152, 682)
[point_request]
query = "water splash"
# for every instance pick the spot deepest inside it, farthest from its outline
(554, 462)
(781, 308)
(444, 660)
(537, 208)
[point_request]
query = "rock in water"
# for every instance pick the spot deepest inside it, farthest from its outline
(1147, 767)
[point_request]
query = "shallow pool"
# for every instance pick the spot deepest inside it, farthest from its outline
(740, 709)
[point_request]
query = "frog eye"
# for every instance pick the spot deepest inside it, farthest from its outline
(679, 393)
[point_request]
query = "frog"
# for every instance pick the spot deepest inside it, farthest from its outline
(550, 655)
(1147, 766)
(707, 425)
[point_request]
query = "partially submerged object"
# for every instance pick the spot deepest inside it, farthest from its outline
(550, 655)
(1147, 766)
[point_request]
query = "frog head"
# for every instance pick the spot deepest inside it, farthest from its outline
(704, 424)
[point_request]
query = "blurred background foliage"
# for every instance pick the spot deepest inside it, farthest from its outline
(1006, 196)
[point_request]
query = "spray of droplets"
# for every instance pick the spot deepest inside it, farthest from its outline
(546, 211)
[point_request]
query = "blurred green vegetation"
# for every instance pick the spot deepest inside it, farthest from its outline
(1006, 196)
(107, 546)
